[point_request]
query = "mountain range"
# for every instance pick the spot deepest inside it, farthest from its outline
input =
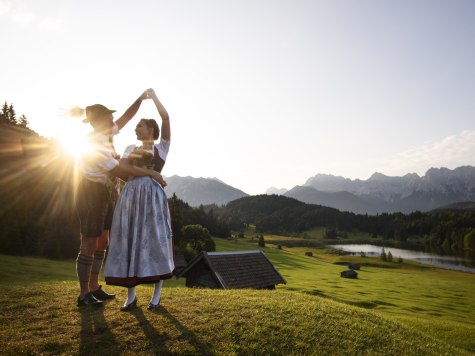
(381, 193)
(202, 191)
(378, 194)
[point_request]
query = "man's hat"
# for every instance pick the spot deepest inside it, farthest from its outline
(95, 111)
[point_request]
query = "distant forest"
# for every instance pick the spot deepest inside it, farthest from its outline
(38, 216)
(453, 228)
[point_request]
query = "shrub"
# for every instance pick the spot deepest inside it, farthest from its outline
(197, 238)
(261, 242)
(389, 257)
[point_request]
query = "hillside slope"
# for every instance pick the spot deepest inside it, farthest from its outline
(192, 321)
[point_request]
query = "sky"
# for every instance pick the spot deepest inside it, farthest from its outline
(261, 93)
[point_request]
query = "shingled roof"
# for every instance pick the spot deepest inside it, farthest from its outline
(231, 270)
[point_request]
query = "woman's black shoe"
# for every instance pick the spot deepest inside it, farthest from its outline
(130, 306)
(153, 306)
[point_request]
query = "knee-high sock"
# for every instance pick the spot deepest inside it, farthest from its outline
(130, 296)
(157, 291)
(83, 267)
(97, 262)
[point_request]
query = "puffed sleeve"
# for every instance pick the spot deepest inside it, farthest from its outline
(128, 151)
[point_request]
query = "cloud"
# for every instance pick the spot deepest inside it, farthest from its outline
(15, 13)
(5, 7)
(19, 14)
(451, 152)
(50, 24)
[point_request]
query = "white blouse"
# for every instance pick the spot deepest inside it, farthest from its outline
(163, 147)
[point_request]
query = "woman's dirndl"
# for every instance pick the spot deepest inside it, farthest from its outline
(141, 239)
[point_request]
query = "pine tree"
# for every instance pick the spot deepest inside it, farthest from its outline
(4, 114)
(23, 121)
(11, 115)
(383, 255)
(389, 256)
(261, 242)
(176, 218)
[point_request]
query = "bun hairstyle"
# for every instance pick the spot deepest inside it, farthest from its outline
(152, 124)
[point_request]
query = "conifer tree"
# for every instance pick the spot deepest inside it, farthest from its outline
(389, 257)
(261, 242)
(4, 114)
(23, 121)
(11, 115)
(176, 218)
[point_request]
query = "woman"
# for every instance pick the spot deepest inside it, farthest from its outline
(141, 246)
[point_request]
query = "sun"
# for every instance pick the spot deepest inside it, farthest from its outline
(72, 137)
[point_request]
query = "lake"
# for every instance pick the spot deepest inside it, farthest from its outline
(443, 261)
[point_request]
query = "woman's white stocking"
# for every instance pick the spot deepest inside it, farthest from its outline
(157, 291)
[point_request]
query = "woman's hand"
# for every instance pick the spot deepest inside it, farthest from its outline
(146, 94)
(152, 94)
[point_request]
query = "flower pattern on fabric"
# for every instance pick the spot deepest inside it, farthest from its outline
(141, 239)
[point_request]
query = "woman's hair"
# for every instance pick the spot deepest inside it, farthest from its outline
(152, 124)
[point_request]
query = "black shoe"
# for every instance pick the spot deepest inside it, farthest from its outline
(101, 295)
(130, 306)
(153, 306)
(89, 300)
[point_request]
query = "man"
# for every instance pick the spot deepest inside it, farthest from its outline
(96, 196)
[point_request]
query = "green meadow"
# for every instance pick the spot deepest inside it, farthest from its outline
(391, 309)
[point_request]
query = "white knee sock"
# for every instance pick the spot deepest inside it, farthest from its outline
(156, 293)
(130, 296)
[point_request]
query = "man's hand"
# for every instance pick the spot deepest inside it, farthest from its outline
(158, 177)
(146, 94)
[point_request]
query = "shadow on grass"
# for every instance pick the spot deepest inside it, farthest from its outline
(200, 347)
(157, 341)
(370, 304)
(96, 337)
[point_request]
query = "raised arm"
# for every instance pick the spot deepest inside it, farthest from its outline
(165, 130)
(132, 110)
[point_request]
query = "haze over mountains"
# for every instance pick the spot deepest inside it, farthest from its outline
(197, 191)
(378, 194)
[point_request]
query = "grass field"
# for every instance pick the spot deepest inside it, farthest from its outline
(407, 309)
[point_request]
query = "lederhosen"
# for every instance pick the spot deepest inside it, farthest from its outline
(95, 204)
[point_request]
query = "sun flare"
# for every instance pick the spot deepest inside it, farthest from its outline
(72, 136)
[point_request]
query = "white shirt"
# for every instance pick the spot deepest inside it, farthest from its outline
(100, 159)
(163, 147)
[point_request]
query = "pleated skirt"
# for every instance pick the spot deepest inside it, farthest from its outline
(141, 239)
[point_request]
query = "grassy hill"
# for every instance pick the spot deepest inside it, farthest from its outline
(401, 310)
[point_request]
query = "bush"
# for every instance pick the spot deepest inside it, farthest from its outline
(261, 242)
(389, 257)
(197, 238)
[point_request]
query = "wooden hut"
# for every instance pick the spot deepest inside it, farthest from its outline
(180, 264)
(231, 270)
